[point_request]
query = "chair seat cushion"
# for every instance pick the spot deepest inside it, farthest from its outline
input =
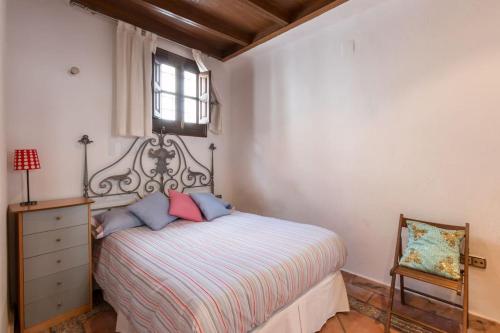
(433, 250)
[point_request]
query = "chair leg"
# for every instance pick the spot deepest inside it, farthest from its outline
(465, 315)
(402, 290)
(465, 323)
(391, 301)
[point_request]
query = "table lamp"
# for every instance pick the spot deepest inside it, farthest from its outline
(26, 159)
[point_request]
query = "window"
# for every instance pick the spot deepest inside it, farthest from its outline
(181, 95)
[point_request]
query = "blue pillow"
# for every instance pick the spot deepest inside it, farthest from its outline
(211, 206)
(115, 220)
(153, 211)
(222, 201)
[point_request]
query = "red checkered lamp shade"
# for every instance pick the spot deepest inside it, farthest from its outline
(26, 159)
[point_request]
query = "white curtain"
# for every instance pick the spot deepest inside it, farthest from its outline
(215, 125)
(133, 95)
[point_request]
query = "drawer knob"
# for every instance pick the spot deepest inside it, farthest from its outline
(59, 305)
(58, 261)
(59, 283)
(58, 218)
(58, 239)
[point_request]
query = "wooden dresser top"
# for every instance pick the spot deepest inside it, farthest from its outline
(50, 204)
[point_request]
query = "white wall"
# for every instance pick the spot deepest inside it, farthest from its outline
(408, 123)
(50, 109)
(3, 183)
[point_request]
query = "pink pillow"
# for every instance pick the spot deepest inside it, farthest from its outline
(181, 205)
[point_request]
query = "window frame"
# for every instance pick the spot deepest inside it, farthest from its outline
(177, 126)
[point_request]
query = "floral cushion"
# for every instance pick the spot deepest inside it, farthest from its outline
(433, 250)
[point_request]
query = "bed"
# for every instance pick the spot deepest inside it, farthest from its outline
(238, 273)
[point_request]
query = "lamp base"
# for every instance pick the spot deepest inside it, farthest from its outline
(28, 203)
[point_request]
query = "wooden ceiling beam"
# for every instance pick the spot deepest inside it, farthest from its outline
(201, 28)
(264, 8)
(113, 9)
(303, 16)
(189, 15)
(313, 6)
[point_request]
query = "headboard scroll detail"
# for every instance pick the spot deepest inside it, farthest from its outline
(158, 163)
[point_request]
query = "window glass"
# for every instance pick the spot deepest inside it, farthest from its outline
(190, 80)
(190, 110)
(167, 104)
(167, 78)
(176, 99)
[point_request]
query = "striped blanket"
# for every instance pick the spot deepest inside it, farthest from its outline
(228, 275)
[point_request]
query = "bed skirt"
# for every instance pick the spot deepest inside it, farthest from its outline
(306, 314)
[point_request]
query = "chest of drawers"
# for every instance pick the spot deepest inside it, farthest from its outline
(53, 262)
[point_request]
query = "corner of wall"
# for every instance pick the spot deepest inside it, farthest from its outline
(4, 320)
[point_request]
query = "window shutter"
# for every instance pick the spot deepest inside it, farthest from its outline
(156, 89)
(204, 97)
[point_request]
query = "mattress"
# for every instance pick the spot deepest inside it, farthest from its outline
(228, 275)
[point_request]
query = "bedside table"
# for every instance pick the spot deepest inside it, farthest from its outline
(54, 271)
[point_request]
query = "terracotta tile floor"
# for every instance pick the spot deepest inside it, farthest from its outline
(368, 302)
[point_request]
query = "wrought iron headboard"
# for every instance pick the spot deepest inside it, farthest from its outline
(158, 163)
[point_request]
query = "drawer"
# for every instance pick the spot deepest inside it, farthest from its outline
(50, 263)
(52, 219)
(56, 283)
(51, 241)
(54, 305)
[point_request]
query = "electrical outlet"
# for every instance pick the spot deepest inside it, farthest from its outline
(477, 262)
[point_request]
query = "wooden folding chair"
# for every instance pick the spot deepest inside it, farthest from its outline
(461, 286)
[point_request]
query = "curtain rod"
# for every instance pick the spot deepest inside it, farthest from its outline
(93, 12)
(90, 11)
